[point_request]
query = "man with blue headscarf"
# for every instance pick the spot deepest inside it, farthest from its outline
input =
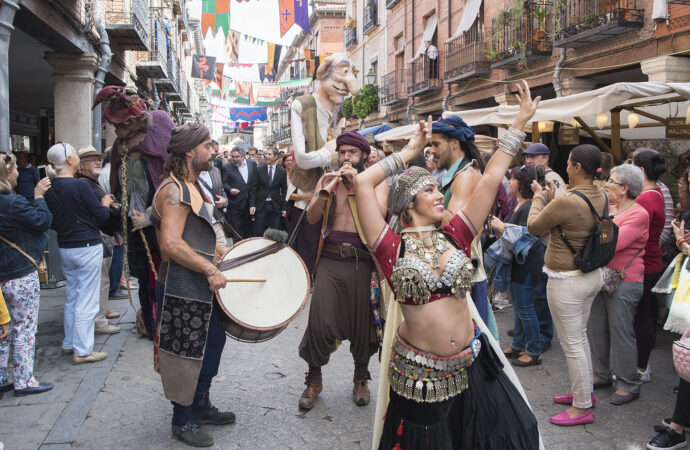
(453, 140)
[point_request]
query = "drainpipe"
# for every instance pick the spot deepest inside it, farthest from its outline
(408, 112)
(99, 81)
(7, 11)
(557, 73)
(444, 104)
(156, 99)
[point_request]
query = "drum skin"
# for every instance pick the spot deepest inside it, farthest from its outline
(256, 312)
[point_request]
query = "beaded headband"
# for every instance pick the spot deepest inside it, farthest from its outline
(403, 190)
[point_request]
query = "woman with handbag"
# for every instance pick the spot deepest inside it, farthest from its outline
(610, 328)
(23, 224)
(653, 165)
(570, 292)
(671, 432)
(77, 216)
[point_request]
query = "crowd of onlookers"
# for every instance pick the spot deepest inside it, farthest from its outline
(606, 319)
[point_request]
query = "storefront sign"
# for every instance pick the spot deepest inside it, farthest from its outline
(568, 135)
(676, 128)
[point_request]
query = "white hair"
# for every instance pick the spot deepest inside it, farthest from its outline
(57, 158)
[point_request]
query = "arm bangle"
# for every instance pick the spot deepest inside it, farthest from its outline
(512, 142)
(392, 165)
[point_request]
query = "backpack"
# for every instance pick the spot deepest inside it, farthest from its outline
(601, 245)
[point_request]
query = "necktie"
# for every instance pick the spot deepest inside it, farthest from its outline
(270, 175)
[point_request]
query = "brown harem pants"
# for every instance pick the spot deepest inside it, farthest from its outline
(340, 309)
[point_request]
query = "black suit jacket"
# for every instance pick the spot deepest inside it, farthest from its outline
(232, 179)
(277, 189)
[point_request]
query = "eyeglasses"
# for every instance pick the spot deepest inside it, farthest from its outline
(610, 181)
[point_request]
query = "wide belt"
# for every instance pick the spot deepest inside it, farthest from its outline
(346, 250)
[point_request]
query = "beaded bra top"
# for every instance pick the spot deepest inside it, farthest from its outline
(415, 283)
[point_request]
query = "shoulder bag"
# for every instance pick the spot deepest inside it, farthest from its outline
(601, 244)
(41, 267)
(681, 355)
(613, 277)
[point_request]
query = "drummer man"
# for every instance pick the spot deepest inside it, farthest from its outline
(190, 336)
(340, 305)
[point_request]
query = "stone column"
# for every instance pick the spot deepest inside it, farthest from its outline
(576, 85)
(7, 11)
(73, 76)
(667, 69)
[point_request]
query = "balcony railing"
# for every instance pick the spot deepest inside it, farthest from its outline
(281, 134)
(371, 16)
(393, 89)
(583, 22)
(350, 36)
(391, 3)
(127, 22)
(466, 57)
(423, 77)
(153, 63)
(171, 83)
(519, 35)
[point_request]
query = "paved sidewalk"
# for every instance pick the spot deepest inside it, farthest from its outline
(53, 419)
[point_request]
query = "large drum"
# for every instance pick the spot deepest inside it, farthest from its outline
(258, 311)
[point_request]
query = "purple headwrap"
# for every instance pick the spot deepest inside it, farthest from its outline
(354, 139)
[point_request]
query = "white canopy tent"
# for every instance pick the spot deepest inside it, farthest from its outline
(659, 100)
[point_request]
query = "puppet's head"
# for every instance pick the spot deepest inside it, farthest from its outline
(338, 77)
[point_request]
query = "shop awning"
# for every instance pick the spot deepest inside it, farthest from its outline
(587, 105)
(428, 33)
(469, 16)
(376, 129)
(300, 83)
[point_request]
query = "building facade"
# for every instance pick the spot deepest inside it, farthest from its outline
(56, 57)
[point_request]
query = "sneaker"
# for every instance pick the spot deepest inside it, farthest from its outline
(212, 416)
(108, 329)
(110, 315)
(93, 357)
(192, 434)
(667, 423)
(645, 376)
(118, 296)
(66, 351)
(501, 300)
(667, 439)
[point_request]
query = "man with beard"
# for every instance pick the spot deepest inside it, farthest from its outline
(138, 155)
(190, 335)
(269, 204)
(453, 140)
(239, 181)
(341, 298)
(90, 170)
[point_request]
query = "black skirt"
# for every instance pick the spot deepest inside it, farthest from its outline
(489, 414)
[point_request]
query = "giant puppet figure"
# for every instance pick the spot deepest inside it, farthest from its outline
(314, 120)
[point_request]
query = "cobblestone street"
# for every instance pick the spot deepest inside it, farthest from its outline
(119, 403)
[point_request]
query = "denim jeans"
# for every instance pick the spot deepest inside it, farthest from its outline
(82, 269)
(215, 342)
(115, 271)
(526, 327)
(541, 307)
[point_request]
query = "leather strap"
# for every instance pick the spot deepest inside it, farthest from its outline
(353, 209)
(219, 216)
(594, 212)
(633, 259)
(16, 247)
(253, 256)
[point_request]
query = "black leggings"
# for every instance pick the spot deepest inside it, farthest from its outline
(681, 415)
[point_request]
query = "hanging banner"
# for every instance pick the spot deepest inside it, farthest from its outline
(248, 114)
(203, 67)
(215, 14)
(286, 10)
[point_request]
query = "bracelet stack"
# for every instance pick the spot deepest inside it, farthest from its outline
(512, 142)
(392, 165)
(679, 244)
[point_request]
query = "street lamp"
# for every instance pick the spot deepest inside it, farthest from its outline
(371, 76)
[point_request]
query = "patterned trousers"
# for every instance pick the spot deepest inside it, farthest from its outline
(21, 296)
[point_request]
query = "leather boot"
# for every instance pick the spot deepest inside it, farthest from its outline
(308, 398)
(360, 393)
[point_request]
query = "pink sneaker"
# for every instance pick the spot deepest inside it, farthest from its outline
(567, 399)
(563, 419)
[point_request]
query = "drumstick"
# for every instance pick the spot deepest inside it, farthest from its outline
(243, 280)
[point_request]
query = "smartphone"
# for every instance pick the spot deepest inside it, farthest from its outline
(541, 176)
(42, 172)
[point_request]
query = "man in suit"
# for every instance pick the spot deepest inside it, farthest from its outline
(239, 181)
(270, 203)
(217, 160)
